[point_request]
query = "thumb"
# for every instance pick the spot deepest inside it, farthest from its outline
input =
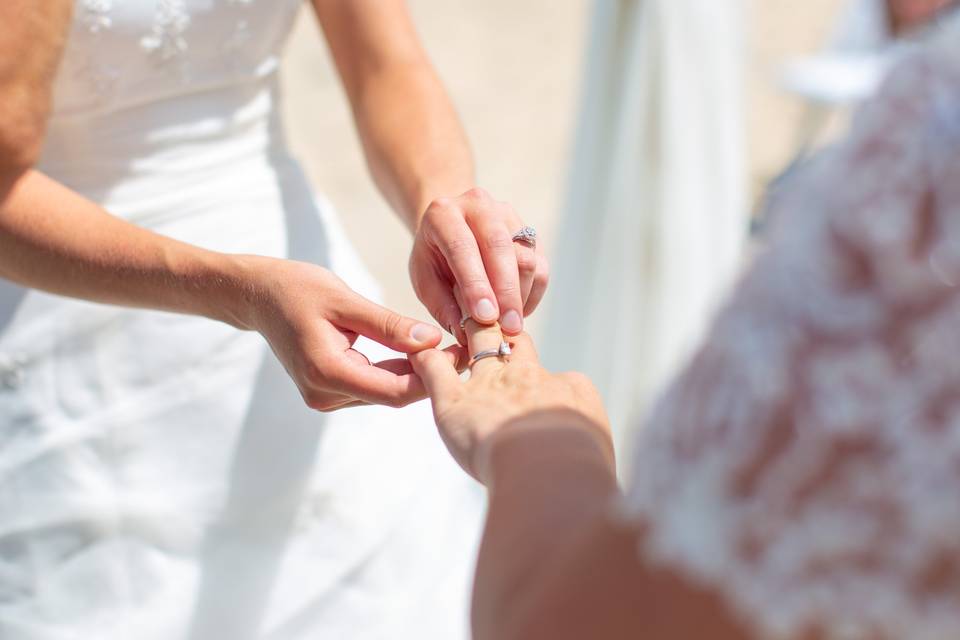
(387, 327)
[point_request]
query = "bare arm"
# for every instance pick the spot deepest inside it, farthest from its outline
(32, 35)
(420, 159)
(556, 565)
(55, 240)
(414, 144)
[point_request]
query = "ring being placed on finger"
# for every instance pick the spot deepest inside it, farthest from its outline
(528, 236)
(502, 352)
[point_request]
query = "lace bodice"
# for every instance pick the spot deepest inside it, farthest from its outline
(157, 96)
(127, 52)
(807, 464)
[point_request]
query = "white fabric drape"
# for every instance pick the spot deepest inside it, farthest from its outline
(656, 213)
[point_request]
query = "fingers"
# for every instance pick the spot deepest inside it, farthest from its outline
(482, 338)
(523, 349)
(375, 383)
(499, 258)
(527, 265)
(439, 376)
(434, 292)
(382, 325)
(352, 380)
(526, 256)
(456, 241)
(541, 279)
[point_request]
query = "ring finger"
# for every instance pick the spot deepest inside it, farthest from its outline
(484, 339)
(526, 256)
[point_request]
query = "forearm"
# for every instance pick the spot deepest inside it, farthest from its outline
(412, 138)
(55, 240)
(414, 143)
(551, 479)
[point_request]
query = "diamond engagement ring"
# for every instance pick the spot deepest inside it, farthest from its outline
(528, 236)
(502, 352)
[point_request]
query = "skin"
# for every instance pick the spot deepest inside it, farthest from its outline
(32, 36)
(554, 563)
(53, 239)
(906, 15)
(419, 157)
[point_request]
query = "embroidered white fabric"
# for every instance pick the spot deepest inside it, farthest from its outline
(807, 463)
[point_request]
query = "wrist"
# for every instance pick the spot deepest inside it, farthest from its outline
(222, 286)
(541, 443)
(244, 289)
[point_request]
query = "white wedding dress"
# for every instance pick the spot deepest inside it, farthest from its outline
(160, 476)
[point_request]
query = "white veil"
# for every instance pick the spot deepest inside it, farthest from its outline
(657, 209)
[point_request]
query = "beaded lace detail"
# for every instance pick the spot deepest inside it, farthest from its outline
(807, 464)
(241, 31)
(166, 41)
(94, 17)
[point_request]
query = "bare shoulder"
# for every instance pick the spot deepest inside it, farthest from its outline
(32, 36)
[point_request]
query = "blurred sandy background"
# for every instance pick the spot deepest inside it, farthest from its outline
(513, 69)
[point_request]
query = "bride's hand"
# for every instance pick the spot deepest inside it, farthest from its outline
(467, 241)
(312, 319)
(504, 395)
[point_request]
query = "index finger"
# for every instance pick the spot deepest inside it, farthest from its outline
(459, 247)
(391, 383)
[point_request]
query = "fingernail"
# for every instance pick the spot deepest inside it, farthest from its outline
(485, 311)
(422, 332)
(512, 322)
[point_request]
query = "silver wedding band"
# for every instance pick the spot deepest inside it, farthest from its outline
(502, 352)
(526, 235)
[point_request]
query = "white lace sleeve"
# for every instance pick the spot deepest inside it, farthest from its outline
(807, 464)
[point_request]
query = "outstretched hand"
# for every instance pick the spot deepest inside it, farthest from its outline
(500, 394)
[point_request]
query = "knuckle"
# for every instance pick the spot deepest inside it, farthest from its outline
(478, 193)
(473, 284)
(577, 379)
(460, 246)
(526, 261)
(498, 241)
(541, 278)
(440, 205)
(508, 289)
(438, 210)
(391, 323)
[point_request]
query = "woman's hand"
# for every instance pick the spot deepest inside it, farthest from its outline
(312, 319)
(466, 243)
(503, 395)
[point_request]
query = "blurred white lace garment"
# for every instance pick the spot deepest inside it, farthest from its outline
(807, 464)
(160, 477)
